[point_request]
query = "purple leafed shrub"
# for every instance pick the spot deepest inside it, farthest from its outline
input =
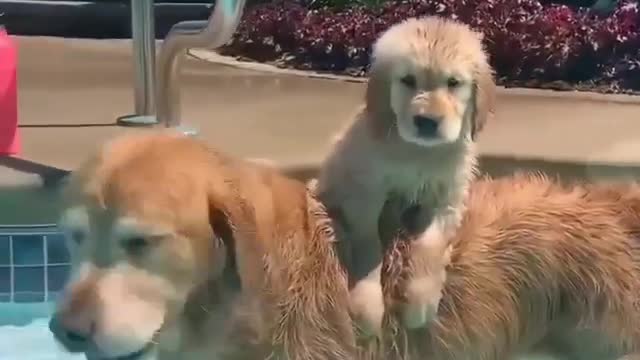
(527, 41)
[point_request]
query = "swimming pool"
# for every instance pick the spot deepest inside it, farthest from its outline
(34, 264)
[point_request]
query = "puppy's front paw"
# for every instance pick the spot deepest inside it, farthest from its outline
(312, 185)
(416, 315)
(422, 296)
(367, 308)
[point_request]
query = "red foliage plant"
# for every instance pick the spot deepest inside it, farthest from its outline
(526, 40)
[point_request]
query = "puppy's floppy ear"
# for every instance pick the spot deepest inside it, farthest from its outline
(484, 98)
(378, 98)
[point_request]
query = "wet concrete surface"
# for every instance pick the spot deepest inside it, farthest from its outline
(72, 91)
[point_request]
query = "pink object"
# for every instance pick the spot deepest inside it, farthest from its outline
(9, 137)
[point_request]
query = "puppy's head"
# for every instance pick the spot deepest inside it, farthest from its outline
(144, 229)
(430, 80)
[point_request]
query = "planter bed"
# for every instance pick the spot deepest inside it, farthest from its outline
(530, 44)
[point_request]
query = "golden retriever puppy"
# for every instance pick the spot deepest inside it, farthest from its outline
(182, 252)
(537, 268)
(430, 92)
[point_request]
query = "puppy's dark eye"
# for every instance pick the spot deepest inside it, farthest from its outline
(136, 245)
(409, 81)
(453, 83)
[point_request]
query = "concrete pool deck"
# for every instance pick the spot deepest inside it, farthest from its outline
(71, 91)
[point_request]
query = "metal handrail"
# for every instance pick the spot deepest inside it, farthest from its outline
(143, 38)
(144, 48)
(183, 36)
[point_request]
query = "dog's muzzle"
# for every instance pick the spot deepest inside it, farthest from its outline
(75, 342)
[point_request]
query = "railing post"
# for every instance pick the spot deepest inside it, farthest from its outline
(144, 57)
(165, 94)
(210, 34)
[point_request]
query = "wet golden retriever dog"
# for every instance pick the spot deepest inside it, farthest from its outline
(182, 252)
(537, 268)
(430, 92)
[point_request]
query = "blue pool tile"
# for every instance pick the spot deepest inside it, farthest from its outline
(28, 279)
(5, 250)
(5, 279)
(28, 297)
(4, 298)
(53, 296)
(28, 250)
(57, 252)
(57, 276)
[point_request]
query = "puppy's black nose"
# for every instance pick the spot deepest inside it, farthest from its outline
(74, 341)
(427, 126)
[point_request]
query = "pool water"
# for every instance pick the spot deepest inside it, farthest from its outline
(34, 264)
(24, 334)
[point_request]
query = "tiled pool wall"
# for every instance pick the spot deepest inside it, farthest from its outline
(34, 263)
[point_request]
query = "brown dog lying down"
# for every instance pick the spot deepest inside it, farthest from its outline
(188, 253)
(537, 268)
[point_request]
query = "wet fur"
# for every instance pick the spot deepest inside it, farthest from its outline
(371, 164)
(537, 268)
(268, 286)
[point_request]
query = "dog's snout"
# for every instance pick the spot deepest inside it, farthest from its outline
(73, 324)
(74, 335)
(427, 126)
